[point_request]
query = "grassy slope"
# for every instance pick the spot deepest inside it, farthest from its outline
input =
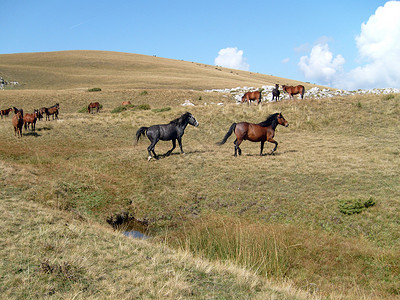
(46, 254)
(86, 69)
(331, 151)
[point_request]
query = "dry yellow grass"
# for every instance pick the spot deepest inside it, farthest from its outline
(334, 149)
(88, 69)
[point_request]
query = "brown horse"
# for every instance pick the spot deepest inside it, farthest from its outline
(31, 119)
(126, 103)
(42, 111)
(251, 96)
(53, 110)
(92, 106)
(5, 112)
(261, 132)
(18, 122)
(294, 90)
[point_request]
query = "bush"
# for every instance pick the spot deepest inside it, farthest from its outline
(354, 206)
(143, 93)
(94, 90)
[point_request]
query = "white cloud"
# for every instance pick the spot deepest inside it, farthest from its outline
(378, 48)
(285, 60)
(321, 65)
(232, 58)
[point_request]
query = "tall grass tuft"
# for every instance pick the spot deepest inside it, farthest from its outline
(260, 248)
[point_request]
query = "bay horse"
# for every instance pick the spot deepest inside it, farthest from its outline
(5, 112)
(31, 119)
(126, 103)
(261, 132)
(52, 110)
(294, 90)
(42, 111)
(251, 96)
(18, 121)
(174, 130)
(92, 106)
(276, 93)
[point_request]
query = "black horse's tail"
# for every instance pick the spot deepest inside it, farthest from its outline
(228, 134)
(141, 131)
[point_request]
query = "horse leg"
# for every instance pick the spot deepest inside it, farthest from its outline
(173, 147)
(262, 148)
(237, 148)
(180, 144)
(150, 149)
(276, 145)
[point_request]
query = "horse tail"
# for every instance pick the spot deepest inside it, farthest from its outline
(302, 92)
(228, 134)
(141, 131)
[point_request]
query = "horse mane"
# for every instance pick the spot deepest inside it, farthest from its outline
(180, 119)
(269, 120)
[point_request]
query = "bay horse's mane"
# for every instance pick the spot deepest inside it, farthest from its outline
(180, 119)
(269, 120)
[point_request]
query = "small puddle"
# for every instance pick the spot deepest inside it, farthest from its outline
(129, 226)
(135, 234)
(134, 229)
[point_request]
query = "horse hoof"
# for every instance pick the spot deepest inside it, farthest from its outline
(148, 159)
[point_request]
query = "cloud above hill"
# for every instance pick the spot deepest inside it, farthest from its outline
(378, 47)
(232, 58)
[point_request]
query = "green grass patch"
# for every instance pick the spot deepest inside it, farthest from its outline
(96, 89)
(122, 108)
(355, 206)
(157, 110)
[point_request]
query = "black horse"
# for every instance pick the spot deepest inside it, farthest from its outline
(276, 93)
(166, 132)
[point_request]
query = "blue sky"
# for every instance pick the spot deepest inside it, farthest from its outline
(346, 44)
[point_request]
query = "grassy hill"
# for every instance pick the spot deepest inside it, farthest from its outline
(85, 69)
(320, 215)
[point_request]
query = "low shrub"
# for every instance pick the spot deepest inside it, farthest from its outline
(354, 206)
(94, 89)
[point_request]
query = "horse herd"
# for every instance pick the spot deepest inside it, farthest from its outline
(20, 119)
(174, 130)
(291, 90)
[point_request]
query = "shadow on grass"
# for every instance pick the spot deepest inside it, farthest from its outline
(32, 133)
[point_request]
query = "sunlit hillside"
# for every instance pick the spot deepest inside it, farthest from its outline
(83, 69)
(318, 219)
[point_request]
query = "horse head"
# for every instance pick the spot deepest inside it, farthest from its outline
(192, 120)
(281, 120)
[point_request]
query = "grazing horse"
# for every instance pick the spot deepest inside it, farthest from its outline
(92, 106)
(276, 93)
(261, 132)
(53, 110)
(294, 90)
(251, 96)
(166, 132)
(18, 122)
(31, 119)
(5, 112)
(42, 112)
(126, 103)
